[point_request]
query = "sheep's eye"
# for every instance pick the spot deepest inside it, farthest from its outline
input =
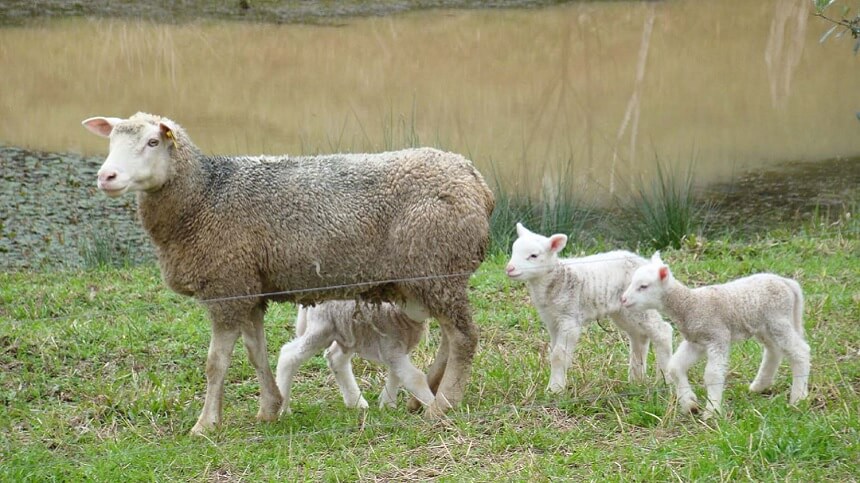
(152, 143)
(533, 256)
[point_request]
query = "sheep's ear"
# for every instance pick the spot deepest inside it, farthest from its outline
(101, 126)
(557, 242)
(663, 272)
(656, 257)
(167, 132)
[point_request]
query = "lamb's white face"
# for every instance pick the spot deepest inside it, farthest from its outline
(647, 286)
(139, 157)
(533, 255)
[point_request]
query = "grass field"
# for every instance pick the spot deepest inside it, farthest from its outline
(101, 378)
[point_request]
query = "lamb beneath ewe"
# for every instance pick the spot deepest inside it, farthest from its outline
(569, 293)
(237, 233)
(383, 333)
(764, 306)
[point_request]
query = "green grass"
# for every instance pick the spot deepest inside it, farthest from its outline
(101, 378)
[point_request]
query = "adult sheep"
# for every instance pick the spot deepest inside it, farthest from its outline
(239, 232)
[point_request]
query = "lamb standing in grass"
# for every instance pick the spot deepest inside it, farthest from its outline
(764, 306)
(239, 232)
(379, 332)
(568, 293)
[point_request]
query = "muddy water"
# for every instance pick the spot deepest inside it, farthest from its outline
(607, 87)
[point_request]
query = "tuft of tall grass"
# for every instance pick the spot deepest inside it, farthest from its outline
(557, 210)
(663, 212)
(103, 249)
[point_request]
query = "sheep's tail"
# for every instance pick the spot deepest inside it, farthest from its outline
(797, 313)
(301, 320)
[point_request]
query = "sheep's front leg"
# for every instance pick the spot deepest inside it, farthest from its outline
(255, 343)
(561, 354)
(679, 365)
(340, 363)
(220, 352)
(715, 378)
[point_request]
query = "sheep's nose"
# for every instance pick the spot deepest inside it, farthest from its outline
(107, 176)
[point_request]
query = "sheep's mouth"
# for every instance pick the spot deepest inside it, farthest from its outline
(514, 275)
(113, 192)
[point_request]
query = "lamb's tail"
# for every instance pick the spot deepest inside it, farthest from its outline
(301, 320)
(797, 312)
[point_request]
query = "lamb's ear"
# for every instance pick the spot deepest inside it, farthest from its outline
(522, 231)
(557, 242)
(101, 126)
(656, 257)
(663, 272)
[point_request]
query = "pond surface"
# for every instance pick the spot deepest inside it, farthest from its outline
(607, 87)
(591, 93)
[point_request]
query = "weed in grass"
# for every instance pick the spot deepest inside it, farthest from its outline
(663, 212)
(102, 248)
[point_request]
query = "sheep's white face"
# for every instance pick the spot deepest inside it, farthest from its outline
(533, 255)
(139, 157)
(647, 286)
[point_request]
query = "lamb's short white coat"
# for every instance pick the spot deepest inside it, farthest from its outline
(764, 306)
(569, 293)
(382, 333)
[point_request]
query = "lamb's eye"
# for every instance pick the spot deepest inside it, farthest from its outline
(152, 143)
(533, 256)
(643, 286)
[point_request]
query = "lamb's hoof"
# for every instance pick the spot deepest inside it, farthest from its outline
(360, 404)
(710, 413)
(759, 388)
(796, 398)
(555, 388)
(383, 405)
(201, 428)
(414, 405)
(691, 407)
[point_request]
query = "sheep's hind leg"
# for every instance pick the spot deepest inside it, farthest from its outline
(434, 373)
(340, 363)
(770, 359)
(254, 338)
(462, 335)
(217, 362)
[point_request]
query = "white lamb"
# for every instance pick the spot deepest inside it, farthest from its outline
(382, 332)
(764, 306)
(569, 293)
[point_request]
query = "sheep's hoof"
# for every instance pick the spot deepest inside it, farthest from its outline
(555, 388)
(691, 406)
(201, 429)
(360, 404)
(435, 411)
(267, 417)
(414, 405)
(759, 388)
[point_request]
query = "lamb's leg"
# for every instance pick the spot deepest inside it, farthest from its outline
(411, 377)
(715, 378)
(797, 351)
(255, 343)
(561, 355)
(294, 354)
(434, 373)
(462, 335)
(217, 362)
(388, 398)
(770, 359)
(633, 324)
(660, 334)
(340, 363)
(679, 365)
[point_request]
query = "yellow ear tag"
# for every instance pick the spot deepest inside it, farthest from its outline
(169, 135)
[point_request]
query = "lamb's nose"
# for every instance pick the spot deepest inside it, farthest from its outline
(623, 300)
(509, 268)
